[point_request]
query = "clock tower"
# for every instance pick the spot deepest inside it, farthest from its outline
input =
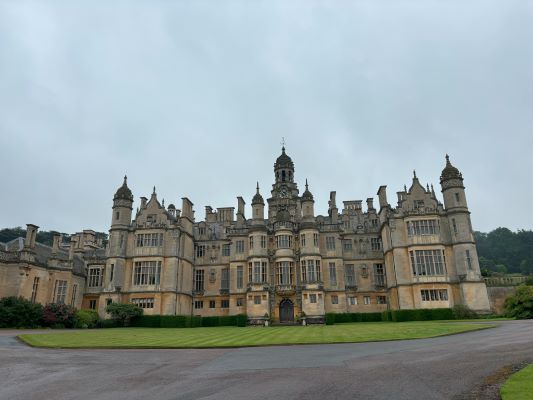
(284, 191)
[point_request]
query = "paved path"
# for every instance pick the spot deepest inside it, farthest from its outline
(440, 368)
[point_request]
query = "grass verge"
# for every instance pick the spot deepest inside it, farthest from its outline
(519, 386)
(249, 336)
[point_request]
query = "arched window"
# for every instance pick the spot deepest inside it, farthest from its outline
(283, 176)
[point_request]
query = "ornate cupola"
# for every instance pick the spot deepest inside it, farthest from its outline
(451, 176)
(124, 192)
(284, 168)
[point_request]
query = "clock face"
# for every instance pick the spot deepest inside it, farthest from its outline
(283, 192)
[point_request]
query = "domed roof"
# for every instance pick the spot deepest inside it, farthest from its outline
(450, 172)
(307, 195)
(124, 192)
(284, 160)
(171, 207)
(258, 199)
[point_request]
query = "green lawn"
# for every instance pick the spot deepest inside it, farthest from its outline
(519, 386)
(249, 336)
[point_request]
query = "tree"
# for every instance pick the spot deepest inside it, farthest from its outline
(124, 312)
(520, 305)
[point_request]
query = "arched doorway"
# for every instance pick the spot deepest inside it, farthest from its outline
(286, 311)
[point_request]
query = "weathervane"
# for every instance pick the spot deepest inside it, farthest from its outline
(283, 142)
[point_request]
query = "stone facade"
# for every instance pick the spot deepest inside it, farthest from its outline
(285, 262)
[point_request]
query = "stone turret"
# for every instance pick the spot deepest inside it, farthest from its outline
(258, 206)
(122, 206)
(453, 190)
(308, 203)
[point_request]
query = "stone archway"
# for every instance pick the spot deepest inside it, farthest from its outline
(286, 311)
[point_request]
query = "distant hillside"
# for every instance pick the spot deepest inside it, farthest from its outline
(45, 237)
(505, 251)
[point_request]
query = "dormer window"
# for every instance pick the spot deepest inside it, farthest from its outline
(419, 204)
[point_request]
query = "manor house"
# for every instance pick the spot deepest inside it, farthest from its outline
(281, 262)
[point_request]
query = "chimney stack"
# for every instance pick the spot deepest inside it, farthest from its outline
(56, 243)
(31, 236)
(73, 244)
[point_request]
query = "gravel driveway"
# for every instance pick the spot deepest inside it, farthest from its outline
(449, 367)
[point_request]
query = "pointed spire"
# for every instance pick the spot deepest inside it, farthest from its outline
(414, 174)
(448, 160)
(307, 195)
(163, 203)
(432, 190)
(154, 190)
(405, 188)
(427, 187)
(125, 180)
(257, 199)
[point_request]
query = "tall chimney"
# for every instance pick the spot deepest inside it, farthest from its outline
(382, 194)
(73, 243)
(57, 241)
(31, 236)
(240, 209)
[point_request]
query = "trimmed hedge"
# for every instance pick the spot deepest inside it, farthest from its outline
(185, 321)
(434, 314)
(426, 314)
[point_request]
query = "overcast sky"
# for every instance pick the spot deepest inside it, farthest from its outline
(194, 98)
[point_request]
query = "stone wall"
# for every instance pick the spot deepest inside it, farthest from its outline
(497, 296)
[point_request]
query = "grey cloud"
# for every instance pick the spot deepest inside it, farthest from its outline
(194, 97)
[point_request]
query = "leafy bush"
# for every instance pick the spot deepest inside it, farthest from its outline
(460, 311)
(123, 313)
(86, 319)
(58, 315)
(17, 312)
(520, 305)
